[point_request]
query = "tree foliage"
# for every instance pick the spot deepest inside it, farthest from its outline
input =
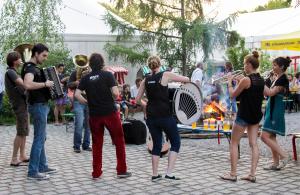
(30, 21)
(177, 30)
(274, 4)
(236, 55)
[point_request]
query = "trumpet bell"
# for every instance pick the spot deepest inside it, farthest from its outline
(25, 51)
(81, 61)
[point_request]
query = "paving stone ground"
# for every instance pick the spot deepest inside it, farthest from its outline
(199, 165)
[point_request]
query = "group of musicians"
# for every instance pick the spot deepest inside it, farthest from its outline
(95, 109)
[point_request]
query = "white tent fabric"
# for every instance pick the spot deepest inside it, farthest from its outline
(272, 22)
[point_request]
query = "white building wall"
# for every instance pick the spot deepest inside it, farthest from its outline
(87, 44)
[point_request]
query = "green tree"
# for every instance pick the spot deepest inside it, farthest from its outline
(30, 21)
(274, 4)
(265, 63)
(177, 30)
(237, 53)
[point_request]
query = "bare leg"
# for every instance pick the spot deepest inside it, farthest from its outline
(22, 149)
(56, 111)
(237, 133)
(155, 161)
(126, 112)
(171, 162)
(17, 144)
(273, 145)
(252, 135)
(275, 155)
(62, 112)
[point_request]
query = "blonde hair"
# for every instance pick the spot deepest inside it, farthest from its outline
(153, 62)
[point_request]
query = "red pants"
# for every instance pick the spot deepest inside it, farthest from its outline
(113, 123)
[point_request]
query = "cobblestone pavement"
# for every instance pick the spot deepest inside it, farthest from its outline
(199, 165)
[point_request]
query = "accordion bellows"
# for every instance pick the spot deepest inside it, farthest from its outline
(50, 74)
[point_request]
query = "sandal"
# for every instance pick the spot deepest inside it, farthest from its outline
(229, 177)
(250, 178)
(271, 167)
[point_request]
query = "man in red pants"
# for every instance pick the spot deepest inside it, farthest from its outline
(101, 89)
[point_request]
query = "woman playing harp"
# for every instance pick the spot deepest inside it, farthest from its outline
(159, 115)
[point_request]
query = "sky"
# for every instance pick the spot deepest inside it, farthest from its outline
(222, 8)
(85, 17)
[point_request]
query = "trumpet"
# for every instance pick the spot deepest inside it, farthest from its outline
(267, 74)
(225, 78)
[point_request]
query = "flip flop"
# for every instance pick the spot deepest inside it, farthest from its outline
(250, 178)
(17, 165)
(229, 177)
(25, 161)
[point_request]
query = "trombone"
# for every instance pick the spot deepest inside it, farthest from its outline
(225, 78)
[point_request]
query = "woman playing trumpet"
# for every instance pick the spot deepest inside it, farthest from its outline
(250, 92)
(274, 118)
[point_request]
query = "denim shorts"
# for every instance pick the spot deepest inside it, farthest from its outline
(241, 121)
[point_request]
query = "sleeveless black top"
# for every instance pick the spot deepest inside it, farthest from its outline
(251, 100)
(158, 97)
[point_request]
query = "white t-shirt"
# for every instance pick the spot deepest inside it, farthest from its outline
(197, 75)
(134, 91)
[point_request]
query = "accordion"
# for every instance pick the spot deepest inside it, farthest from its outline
(50, 74)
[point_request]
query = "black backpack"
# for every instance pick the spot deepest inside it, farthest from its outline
(135, 131)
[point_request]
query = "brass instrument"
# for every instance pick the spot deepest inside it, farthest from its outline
(224, 79)
(25, 51)
(267, 74)
(82, 66)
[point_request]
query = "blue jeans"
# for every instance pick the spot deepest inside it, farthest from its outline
(81, 122)
(230, 102)
(38, 160)
(241, 122)
(168, 125)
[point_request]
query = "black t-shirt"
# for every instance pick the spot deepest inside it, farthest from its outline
(281, 82)
(97, 86)
(16, 94)
(72, 79)
(158, 97)
(41, 95)
(61, 76)
(251, 100)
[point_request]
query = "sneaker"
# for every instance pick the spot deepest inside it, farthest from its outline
(172, 178)
(87, 149)
(49, 171)
(38, 176)
(272, 167)
(77, 150)
(156, 178)
(124, 175)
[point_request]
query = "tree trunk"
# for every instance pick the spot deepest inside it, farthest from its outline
(183, 31)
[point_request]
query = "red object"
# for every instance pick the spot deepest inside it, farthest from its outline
(295, 62)
(133, 102)
(113, 123)
(119, 72)
(294, 145)
(218, 123)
